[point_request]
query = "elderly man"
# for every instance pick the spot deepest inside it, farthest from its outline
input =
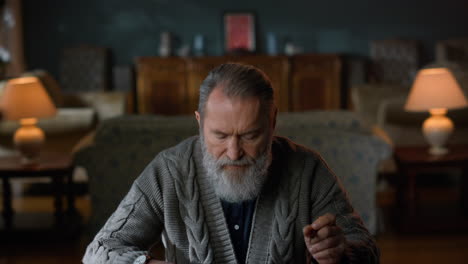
(235, 193)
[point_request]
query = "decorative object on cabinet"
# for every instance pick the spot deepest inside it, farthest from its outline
(239, 32)
(291, 49)
(272, 44)
(165, 44)
(199, 45)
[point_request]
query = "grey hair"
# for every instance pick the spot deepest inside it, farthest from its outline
(237, 80)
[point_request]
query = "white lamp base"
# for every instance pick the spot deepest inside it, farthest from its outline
(437, 129)
(438, 151)
(29, 139)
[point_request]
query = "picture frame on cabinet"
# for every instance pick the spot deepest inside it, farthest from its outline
(239, 32)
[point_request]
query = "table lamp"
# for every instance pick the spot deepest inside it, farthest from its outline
(26, 100)
(436, 90)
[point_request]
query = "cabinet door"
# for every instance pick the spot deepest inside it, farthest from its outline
(198, 69)
(162, 86)
(315, 82)
(277, 69)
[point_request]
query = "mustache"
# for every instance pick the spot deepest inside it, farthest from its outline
(244, 161)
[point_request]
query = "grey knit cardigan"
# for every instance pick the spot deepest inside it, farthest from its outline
(173, 199)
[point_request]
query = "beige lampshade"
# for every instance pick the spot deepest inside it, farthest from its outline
(435, 88)
(25, 97)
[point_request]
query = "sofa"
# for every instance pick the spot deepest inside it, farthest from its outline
(123, 146)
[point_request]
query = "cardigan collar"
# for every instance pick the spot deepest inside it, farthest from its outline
(262, 222)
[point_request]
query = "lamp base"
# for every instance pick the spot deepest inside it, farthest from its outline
(437, 151)
(29, 140)
(437, 129)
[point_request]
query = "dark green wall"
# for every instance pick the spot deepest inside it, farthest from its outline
(131, 27)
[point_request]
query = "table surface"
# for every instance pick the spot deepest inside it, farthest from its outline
(420, 154)
(57, 166)
(47, 162)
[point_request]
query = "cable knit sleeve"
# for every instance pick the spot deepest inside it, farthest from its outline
(328, 196)
(134, 226)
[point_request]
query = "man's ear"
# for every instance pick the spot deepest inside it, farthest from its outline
(197, 116)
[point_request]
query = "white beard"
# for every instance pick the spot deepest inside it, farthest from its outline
(237, 185)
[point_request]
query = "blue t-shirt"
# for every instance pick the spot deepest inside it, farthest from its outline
(239, 220)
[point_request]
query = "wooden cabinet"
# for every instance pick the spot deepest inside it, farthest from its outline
(162, 86)
(170, 86)
(315, 83)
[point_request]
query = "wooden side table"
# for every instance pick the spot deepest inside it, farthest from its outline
(413, 160)
(54, 165)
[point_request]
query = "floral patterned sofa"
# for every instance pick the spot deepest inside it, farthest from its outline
(123, 146)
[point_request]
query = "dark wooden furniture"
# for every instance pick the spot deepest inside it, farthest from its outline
(414, 161)
(170, 86)
(56, 166)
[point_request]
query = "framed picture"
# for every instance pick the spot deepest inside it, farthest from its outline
(239, 32)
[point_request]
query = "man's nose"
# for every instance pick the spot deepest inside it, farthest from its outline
(234, 149)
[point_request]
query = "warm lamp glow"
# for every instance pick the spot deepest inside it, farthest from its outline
(436, 90)
(25, 99)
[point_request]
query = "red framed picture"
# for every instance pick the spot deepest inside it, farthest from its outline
(239, 32)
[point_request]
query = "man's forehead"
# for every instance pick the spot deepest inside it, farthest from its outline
(222, 111)
(218, 99)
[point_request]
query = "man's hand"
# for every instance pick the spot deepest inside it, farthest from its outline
(325, 241)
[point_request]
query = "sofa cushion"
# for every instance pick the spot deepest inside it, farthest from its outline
(66, 120)
(367, 98)
(341, 120)
(107, 104)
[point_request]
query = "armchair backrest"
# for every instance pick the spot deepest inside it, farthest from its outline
(452, 50)
(84, 68)
(347, 144)
(394, 60)
(123, 147)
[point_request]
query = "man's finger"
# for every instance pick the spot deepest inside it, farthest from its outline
(309, 231)
(334, 254)
(330, 242)
(324, 220)
(328, 261)
(309, 234)
(329, 231)
(326, 232)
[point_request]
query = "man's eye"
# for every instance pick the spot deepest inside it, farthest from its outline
(221, 136)
(250, 136)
